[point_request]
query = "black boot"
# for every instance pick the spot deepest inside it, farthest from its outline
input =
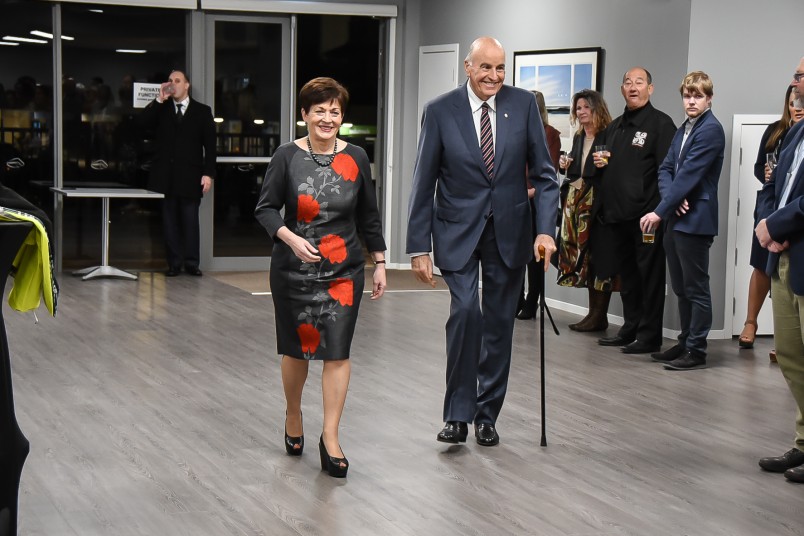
(597, 319)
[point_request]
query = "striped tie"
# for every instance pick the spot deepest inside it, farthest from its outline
(487, 140)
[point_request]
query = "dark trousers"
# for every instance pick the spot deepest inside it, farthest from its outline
(618, 250)
(688, 264)
(479, 333)
(14, 447)
(182, 235)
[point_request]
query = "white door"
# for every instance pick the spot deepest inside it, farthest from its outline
(439, 72)
(750, 134)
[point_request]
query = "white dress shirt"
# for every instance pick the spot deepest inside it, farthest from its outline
(476, 103)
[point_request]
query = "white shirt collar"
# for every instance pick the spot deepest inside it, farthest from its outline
(184, 103)
(476, 102)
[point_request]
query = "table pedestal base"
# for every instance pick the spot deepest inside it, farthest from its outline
(104, 271)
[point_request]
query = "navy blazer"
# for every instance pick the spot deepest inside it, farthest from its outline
(692, 173)
(786, 223)
(184, 152)
(453, 195)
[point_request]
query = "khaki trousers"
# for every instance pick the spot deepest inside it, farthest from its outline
(788, 333)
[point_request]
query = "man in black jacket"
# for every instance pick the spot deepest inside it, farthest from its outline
(182, 169)
(627, 188)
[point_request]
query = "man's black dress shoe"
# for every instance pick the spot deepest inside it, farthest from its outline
(171, 272)
(779, 464)
(193, 270)
(526, 313)
(688, 361)
(486, 435)
(639, 347)
(617, 340)
(453, 432)
(796, 474)
(668, 355)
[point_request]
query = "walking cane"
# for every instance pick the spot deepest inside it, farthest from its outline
(541, 344)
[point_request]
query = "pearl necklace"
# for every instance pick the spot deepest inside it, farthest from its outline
(329, 157)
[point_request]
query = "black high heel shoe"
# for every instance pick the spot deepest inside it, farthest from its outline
(330, 464)
(293, 445)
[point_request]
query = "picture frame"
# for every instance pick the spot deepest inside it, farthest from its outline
(559, 74)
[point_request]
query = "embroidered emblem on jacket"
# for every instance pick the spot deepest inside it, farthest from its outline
(639, 139)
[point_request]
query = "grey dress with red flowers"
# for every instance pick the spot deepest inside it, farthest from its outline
(316, 304)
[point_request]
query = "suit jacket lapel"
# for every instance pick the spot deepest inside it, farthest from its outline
(466, 125)
(696, 126)
(786, 164)
(502, 128)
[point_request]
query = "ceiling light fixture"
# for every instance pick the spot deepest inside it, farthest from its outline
(8, 44)
(23, 39)
(50, 35)
(130, 51)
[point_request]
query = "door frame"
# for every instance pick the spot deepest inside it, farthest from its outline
(731, 242)
(207, 56)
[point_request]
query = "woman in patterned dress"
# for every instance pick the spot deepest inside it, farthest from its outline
(324, 185)
(574, 266)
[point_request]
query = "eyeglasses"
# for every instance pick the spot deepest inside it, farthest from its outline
(797, 77)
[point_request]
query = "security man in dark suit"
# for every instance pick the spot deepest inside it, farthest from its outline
(182, 169)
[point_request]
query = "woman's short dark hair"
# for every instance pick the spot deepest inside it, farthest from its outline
(322, 90)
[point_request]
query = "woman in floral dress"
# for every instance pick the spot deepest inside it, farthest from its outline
(324, 185)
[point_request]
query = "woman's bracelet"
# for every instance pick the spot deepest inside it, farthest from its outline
(379, 262)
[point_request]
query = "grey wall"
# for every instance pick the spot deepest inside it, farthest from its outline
(653, 33)
(750, 49)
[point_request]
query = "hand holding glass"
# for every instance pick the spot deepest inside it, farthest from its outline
(770, 159)
(564, 161)
(167, 88)
(649, 236)
(602, 153)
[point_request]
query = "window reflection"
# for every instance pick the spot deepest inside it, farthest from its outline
(104, 143)
(26, 100)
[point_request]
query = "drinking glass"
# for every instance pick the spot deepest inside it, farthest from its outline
(770, 159)
(567, 160)
(602, 153)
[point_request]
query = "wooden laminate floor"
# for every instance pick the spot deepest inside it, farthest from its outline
(155, 407)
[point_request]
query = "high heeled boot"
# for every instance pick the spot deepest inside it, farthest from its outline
(596, 319)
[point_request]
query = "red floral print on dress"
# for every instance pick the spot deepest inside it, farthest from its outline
(307, 209)
(333, 247)
(309, 337)
(343, 290)
(345, 166)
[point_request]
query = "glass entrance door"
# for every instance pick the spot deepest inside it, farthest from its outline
(251, 80)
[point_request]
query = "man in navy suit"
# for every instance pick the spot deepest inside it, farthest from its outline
(469, 205)
(781, 230)
(688, 180)
(182, 169)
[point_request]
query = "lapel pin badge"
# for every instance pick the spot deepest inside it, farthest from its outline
(506, 115)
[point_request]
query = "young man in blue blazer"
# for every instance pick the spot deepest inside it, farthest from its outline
(688, 209)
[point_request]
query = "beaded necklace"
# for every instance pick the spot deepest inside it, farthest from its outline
(329, 157)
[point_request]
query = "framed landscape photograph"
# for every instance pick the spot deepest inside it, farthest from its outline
(559, 74)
